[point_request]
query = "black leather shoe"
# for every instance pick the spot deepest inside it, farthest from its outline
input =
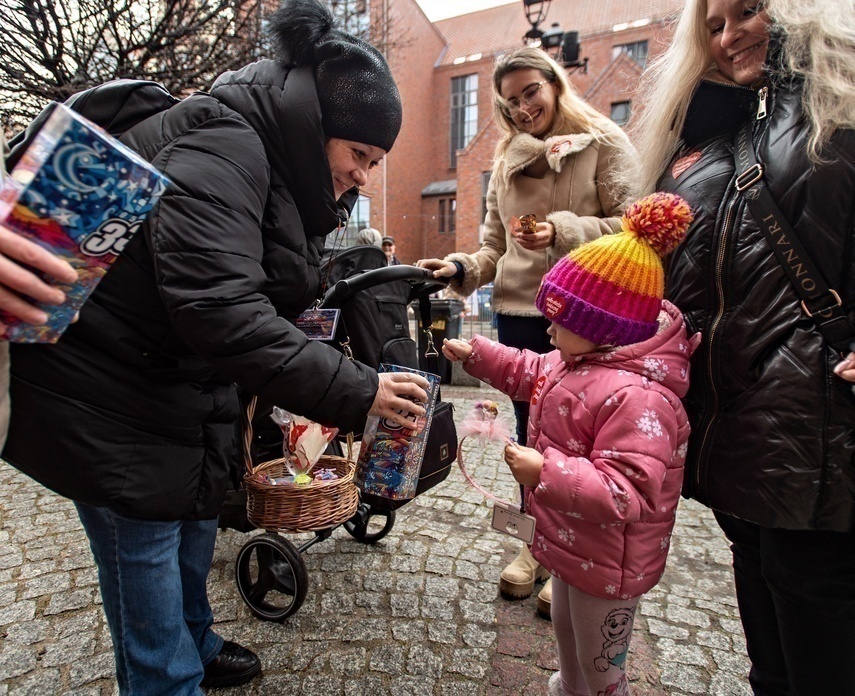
(233, 666)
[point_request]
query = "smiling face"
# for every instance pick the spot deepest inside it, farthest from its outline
(739, 37)
(569, 344)
(618, 625)
(351, 163)
(537, 116)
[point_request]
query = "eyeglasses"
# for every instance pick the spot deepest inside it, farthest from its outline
(527, 97)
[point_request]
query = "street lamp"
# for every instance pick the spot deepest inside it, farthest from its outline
(535, 13)
(561, 45)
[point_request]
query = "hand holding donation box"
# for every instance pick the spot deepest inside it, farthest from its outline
(82, 195)
(390, 457)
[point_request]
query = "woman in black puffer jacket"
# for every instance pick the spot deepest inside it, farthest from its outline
(133, 414)
(772, 409)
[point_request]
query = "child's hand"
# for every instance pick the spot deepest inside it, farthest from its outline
(525, 464)
(456, 350)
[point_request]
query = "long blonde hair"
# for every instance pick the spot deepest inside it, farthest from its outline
(662, 99)
(819, 43)
(820, 47)
(572, 115)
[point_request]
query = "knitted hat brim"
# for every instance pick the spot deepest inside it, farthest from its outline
(590, 322)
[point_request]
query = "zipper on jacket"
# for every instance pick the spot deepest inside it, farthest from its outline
(762, 97)
(719, 285)
(761, 103)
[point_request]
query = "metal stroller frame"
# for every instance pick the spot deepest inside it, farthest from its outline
(270, 572)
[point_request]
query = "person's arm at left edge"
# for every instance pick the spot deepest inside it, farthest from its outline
(19, 259)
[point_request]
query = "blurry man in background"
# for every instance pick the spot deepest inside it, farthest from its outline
(388, 247)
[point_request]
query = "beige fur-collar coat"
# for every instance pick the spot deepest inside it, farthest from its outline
(574, 195)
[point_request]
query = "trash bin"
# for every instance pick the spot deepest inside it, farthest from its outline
(445, 317)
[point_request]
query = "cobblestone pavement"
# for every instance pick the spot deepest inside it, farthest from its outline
(416, 613)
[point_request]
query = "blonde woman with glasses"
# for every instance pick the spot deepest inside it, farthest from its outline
(770, 400)
(554, 160)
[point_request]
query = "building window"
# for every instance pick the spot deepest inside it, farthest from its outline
(360, 218)
(621, 112)
(447, 215)
(637, 51)
(464, 113)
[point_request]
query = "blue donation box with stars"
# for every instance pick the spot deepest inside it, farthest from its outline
(82, 195)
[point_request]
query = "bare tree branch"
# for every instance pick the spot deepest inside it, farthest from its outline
(54, 48)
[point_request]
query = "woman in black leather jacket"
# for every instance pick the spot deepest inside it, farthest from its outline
(139, 397)
(772, 409)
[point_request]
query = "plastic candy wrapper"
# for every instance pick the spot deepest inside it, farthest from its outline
(325, 475)
(304, 441)
(485, 423)
(318, 475)
(527, 223)
(390, 458)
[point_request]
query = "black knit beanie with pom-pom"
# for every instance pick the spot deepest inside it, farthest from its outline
(359, 99)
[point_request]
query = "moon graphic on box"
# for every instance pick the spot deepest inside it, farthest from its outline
(71, 162)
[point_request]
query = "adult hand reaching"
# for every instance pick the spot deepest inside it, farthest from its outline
(16, 279)
(440, 268)
(399, 395)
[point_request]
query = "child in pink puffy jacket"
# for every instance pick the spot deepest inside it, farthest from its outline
(604, 475)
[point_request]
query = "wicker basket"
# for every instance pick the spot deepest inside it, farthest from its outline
(317, 505)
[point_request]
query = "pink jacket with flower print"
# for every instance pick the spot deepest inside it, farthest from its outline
(613, 436)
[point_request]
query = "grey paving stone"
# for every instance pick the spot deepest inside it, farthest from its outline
(16, 660)
(38, 683)
(417, 614)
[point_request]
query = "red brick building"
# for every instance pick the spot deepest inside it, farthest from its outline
(434, 181)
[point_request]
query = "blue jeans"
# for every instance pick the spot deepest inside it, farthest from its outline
(796, 596)
(153, 583)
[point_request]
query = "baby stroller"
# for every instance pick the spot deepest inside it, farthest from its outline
(373, 328)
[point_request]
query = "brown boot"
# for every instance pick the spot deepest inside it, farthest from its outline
(544, 600)
(518, 578)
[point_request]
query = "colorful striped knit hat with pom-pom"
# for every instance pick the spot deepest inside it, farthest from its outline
(609, 291)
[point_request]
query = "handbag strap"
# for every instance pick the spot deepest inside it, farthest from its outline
(818, 301)
(431, 353)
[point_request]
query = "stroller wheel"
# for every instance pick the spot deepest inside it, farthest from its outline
(369, 525)
(271, 577)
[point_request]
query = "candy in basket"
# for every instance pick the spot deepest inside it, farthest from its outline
(304, 490)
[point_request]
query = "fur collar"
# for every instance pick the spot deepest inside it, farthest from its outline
(525, 149)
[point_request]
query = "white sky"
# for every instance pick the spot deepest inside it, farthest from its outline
(442, 9)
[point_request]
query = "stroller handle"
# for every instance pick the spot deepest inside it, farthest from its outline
(421, 279)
